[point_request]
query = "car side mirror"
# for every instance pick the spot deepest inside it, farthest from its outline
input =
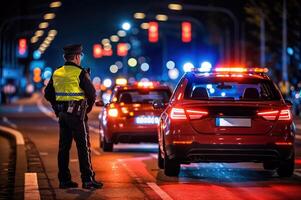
(289, 103)
(99, 103)
(158, 104)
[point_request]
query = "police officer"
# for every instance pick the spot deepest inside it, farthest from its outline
(68, 90)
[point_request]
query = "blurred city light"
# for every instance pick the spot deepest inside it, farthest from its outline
(144, 25)
(144, 67)
(290, 50)
(187, 67)
(139, 15)
(145, 82)
(107, 82)
(49, 16)
(55, 4)
(205, 66)
(43, 25)
(170, 64)
(96, 80)
(114, 69)
(107, 46)
(114, 38)
(107, 52)
(121, 33)
(22, 49)
(36, 54)
(39, 33)
(34, 39)
(122, 49)
(29, 88)
(173, 73)
(186, 32)
(119, 64)
(52, 33)
(121, 81)
(153, 32)
(37, 75)
(105, 41)
(175, 6)
(223, 94)
(132, 62)
(161, 17)
(126, 26)
(97, 51)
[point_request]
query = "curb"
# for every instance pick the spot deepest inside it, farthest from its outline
(21, 161)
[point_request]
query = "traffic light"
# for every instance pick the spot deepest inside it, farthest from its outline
(97, 51)
(22, 48)
(186, 32)
(153, 32)
(37, 75)
(107, 52)
(122, 49)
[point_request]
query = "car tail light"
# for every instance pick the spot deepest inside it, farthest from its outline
(269, 115)
(196, 114)
(284, 115)
(179, 113)
(113, 112)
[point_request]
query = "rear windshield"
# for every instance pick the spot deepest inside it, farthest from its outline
(142, 96)
(239, 89)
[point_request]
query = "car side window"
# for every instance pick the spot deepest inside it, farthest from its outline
(177, 89)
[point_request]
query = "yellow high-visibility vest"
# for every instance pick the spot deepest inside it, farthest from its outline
(66, 83)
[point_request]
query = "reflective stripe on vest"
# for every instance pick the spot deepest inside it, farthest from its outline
(66, 83)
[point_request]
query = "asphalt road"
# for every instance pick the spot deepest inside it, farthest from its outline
(131, 172)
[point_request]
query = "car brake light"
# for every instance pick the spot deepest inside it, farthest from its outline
(285, 115)
(269, 115)
(177, 113)
(113, 112)
(196, 114)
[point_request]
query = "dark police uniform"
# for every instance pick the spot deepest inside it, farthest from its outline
(69, 86)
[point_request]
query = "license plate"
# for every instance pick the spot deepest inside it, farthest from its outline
(147, 120)
(232, 122)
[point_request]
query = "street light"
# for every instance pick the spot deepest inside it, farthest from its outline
(49, 16)
(144, 25)
(139, 15)
(43, 25)
(175, 6)
(126, 26)
(55, 4)
(162, 17)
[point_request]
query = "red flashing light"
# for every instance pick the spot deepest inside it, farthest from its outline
(97, 51)
(186, 32)
(122, 49)
(107, 52)
(153, 32)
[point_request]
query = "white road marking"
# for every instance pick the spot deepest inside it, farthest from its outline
(5, 120)
(297, 174)
(73, 160)
(18, 135)
(21, 108)
(95, 151)
(159, 191)
(31, 187)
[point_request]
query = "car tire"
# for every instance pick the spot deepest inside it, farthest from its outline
(106, 146)
(160, 159)
(270, 165)
(286, 168)
(171, 167)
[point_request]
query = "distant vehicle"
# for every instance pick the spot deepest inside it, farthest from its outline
(129, 117)
(227, 115)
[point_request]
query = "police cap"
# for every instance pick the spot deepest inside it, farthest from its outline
(73, 49)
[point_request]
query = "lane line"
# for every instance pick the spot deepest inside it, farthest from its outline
(5, 120)
(31, 187)
(159, 191)
(18, 135)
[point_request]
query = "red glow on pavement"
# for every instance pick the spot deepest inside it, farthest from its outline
(298, 161)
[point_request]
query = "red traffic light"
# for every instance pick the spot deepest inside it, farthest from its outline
(22, 48)
(122, 49)
(107, 52)
(153, 32)
(186, 32)
(97, 51)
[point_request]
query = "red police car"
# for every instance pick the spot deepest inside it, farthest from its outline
(230, 114)
(129, 117)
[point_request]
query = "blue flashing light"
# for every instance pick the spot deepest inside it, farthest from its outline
(290, 51)
(36, 54)
(223, 94)
(126, 26)
(205, 66)
(187, 67)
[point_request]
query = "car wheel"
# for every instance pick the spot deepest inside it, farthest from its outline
(286, 168)
(160, 159)
(270, 165)
(171, 166)
(107, 146)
